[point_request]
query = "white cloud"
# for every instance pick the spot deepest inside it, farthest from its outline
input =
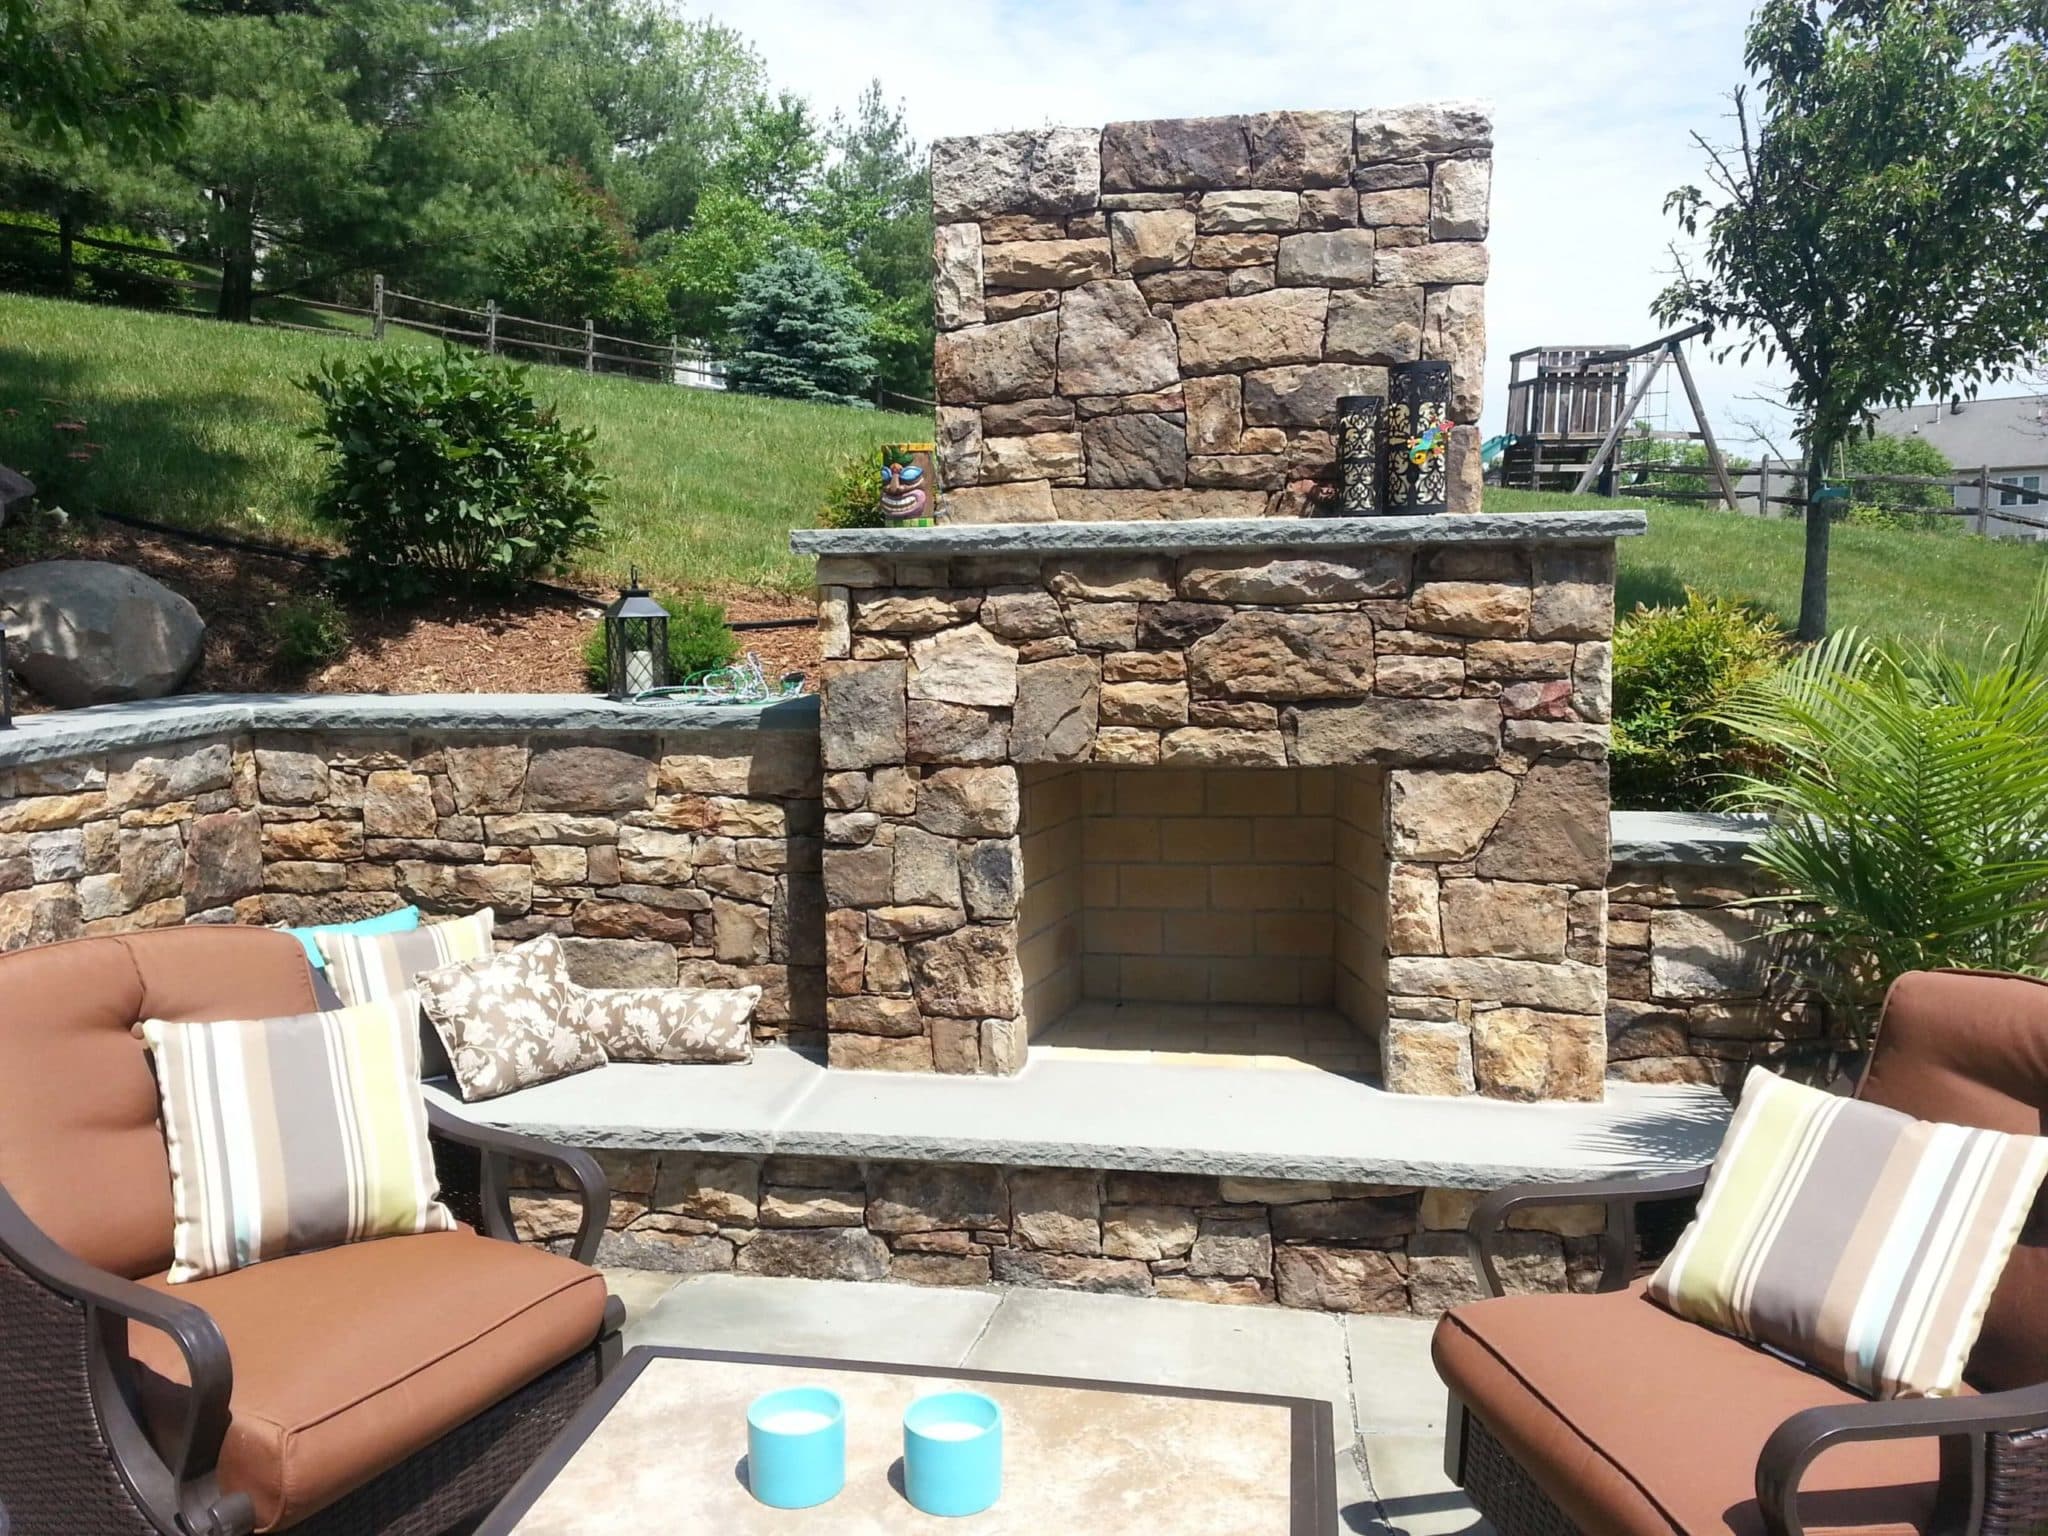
(1594, 102)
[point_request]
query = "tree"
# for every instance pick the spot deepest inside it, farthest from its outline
(1878, 225)
(701, 267)
(775, 154)
(83, 68)
(875, 203)
(1879, 453)
(1669, 454)
(643, 101)
(346, 140)
(800, 335)
(579, 263)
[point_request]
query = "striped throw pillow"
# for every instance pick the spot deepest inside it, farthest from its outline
(1855, 1239)
(369, 966)
(292, 1134)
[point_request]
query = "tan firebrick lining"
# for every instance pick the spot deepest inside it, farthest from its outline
(1218, 888)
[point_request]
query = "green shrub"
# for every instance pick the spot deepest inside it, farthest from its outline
(854, 498)
(115, 277)
(1670, 664)
(446, 475)
(1870, 514)
(1882, 454)
(1909, 804)
(307, 632)
(698, 642)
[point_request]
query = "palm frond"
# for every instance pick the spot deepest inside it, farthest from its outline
(1909, 799)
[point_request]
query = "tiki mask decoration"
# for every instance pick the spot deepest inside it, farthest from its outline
(909, 488)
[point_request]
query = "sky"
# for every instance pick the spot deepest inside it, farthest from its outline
(1594, 103)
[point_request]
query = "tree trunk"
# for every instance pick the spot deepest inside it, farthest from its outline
(1813, 583)
(235, 230)
(237, 285)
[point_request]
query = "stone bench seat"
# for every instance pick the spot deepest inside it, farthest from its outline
(1246, 1122)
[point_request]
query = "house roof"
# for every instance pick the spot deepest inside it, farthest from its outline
(2004, 433)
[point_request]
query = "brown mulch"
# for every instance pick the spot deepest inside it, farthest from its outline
(531, 645)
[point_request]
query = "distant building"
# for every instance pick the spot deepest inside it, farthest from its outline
(2008, 436)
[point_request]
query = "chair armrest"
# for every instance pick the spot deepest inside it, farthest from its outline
(1619, 1196)
(1962, 1423)
(498, 1148)
(180, 1479)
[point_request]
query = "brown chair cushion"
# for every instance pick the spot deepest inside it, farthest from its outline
(80, 1146)
(349, 1360)
(1637, 1423)
(1971, 1048)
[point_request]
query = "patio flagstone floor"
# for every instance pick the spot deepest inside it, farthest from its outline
(1374, 1371)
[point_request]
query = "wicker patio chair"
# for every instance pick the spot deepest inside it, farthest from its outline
(1606, 1414)
(389, 1388)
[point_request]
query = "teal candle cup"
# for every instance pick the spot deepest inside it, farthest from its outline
(796, 1447)
(953, 1453)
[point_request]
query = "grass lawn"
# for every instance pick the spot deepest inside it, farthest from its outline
(1884, 581)
(201, 423)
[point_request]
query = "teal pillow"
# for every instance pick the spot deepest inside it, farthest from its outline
(404, 920)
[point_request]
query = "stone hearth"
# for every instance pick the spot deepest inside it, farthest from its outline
(1349, 769)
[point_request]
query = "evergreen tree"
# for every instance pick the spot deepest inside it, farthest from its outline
(800, 333)
(876, 205)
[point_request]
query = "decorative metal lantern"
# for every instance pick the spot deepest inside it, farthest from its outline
(6, 687)
(635, 643)
(1359, 456)
(1418, 437)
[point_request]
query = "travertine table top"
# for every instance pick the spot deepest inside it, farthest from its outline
(663, 1447)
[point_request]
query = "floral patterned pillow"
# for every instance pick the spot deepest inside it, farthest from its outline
(671, 1023)
(510, 1021)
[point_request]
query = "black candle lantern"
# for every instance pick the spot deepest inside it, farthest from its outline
(635, 643)
(1359, 456)
(1418, 437)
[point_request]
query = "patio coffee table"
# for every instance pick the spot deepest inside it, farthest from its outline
(662, 1446)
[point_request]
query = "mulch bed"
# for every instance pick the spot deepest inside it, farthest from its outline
(531, 645)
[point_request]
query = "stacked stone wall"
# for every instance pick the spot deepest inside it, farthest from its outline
(1700, 988)
(1190, 1237)
(1156, 319)
(706, 868)
(687, 858)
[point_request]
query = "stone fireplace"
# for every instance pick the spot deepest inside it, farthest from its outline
(1132, 746)
(1352, 771)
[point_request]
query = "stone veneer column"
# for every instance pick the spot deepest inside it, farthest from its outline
(1155, 319)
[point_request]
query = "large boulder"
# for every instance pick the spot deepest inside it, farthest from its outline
(16, 492)
(85, 632)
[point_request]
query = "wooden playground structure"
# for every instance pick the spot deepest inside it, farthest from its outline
(1570, 409)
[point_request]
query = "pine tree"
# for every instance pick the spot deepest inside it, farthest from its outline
(799, 333)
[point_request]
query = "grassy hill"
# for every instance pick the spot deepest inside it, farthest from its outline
(1885, 581)
(202, 423)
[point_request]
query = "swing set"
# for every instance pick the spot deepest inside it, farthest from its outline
(1571, 411)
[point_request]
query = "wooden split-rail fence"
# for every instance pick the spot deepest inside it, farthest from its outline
(490, 329)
